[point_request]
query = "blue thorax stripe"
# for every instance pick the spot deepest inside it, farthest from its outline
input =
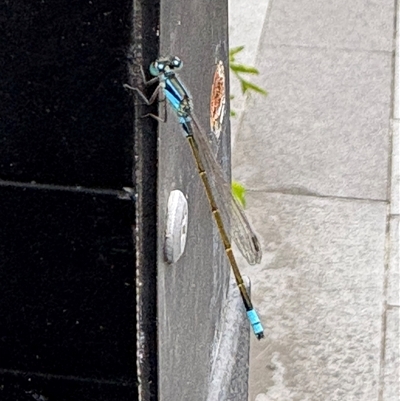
(175, 92)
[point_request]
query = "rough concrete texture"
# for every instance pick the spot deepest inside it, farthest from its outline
(251, 29)
(391, 389)
(319, 291)
(320, 159)
(323, 129)
(395, 185)
(357, 25)
(393, 298)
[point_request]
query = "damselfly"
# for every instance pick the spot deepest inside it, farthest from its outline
(224, 207)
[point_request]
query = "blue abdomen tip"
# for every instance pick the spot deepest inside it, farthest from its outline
(255, 322)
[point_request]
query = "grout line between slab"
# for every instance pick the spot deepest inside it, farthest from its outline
(394, 115)
(381, 384)
(315, 195)
(395, 167)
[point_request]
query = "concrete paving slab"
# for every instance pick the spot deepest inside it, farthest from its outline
(395, 173)
(363, 25)
(319, 292)
(245, 29)
(396, 95)
(323, 129)
(391, 389)
(393, 296)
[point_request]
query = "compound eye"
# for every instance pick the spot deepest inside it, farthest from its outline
(176, 62)
(161, 67)
(154, 70)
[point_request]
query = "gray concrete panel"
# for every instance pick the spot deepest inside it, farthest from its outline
(245, 29)
(391, 380)
(323, 129)
(319, 291)
(330, 308)
(358, 24)
(395, 171)
(393, 297)
(396, 94)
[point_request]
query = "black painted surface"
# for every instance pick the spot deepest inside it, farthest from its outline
(67, 289)
(67, 253)
(63, 114)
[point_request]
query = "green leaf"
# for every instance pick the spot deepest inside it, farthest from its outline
(234, 51)
(238, 69)
(248, 86)
(245, 69)
(239, 192)
(233, 113)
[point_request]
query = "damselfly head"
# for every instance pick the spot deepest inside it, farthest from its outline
(166, 64)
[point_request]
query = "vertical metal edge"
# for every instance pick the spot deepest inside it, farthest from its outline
(144, 47)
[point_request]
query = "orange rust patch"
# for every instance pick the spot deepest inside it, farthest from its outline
(217, 103)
